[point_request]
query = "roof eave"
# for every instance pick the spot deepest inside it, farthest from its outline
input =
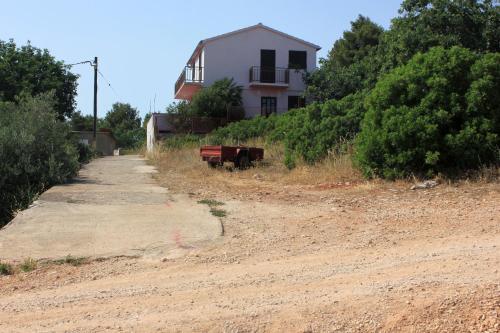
(202, 42)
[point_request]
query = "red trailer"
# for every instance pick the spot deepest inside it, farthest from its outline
(241, 156)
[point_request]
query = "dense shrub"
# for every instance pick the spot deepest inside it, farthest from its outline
(80, 122)
(311, 132)
(181, 140)
(125, 122)
(85, 153)
(243, 130)
(307, 133)
(216, 100)
(36, 151)
(437, 114)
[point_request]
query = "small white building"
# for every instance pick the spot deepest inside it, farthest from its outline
(268, 64)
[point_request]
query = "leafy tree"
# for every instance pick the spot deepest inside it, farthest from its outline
(36, 151)
(217, 99)
(181, 116)
(178, 108)
(146, 120)
(29, 70)
(350, 65)
(437, 114)
(423, 24)
(125, 122)
(81, 122)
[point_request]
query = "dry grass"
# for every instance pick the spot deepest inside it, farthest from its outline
(28, 265)
(336, 168)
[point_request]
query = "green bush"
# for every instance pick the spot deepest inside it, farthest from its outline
(181, 140)
(36, 152)
(125, 122)
(85, 153)
(308, 133)
(216, 100)
(6, 269)
(437, 114)
(130, 138)
(243, 130)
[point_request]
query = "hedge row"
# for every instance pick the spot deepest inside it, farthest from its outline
(36, 152)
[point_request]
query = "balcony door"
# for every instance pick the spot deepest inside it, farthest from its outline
(268, 66)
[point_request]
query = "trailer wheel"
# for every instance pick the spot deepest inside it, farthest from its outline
(212, 165)
(243, 162)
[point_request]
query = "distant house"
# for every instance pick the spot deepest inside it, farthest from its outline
(161, 125)
(106, 142)
(267, 63)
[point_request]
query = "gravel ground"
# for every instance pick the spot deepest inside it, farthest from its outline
(367, 257)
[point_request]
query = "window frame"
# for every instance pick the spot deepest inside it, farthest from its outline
(265, 112)
(301, 102)
(297, 66)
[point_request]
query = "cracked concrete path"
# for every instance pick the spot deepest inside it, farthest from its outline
(114, 207)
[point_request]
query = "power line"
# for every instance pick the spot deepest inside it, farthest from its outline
(92, 64)
(102, 75)
(109, 84)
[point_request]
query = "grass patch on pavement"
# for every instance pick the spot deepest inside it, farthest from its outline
(213, 204)
(218, 212)
(210, 202)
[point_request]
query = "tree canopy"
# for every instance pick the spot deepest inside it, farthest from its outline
(80, 122)
(423, 24)
(438, 113)
(31, 71)
(349, 66)
(125, 122)
(217, 99)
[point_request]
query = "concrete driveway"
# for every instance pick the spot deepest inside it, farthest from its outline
(113, 208)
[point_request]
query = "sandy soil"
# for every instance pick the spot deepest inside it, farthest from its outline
(331, 257)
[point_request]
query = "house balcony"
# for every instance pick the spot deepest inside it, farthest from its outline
(189, 82)
(269, 77)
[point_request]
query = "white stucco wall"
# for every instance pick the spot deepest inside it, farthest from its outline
(232, 56)
(151, 134)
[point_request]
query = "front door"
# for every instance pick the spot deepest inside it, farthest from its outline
(267, 106)
(268, 66)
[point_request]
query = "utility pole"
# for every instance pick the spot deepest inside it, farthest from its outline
(93, 64)
(95, 100)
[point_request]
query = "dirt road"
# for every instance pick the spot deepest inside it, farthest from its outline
(113, 208)
(371, 257)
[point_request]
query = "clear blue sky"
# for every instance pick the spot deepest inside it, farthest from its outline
(143, 45)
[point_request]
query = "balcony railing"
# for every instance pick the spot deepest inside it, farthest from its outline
(270, 75)
(189, 75)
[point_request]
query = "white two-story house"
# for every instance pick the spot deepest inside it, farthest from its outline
(268, 65)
